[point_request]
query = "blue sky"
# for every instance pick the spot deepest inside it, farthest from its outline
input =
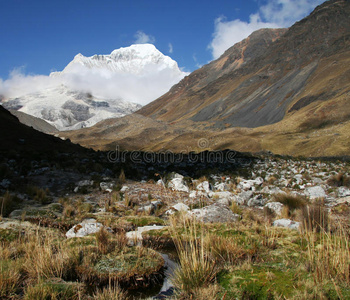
(42, 36)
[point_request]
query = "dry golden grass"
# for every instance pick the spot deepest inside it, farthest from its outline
(197, 268)
(46, 258)
(329, 255)
(110, 293)
(10, 279)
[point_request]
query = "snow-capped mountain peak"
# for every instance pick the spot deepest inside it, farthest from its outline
(91, 89)
(138, 59)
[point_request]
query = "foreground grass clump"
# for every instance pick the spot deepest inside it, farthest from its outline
(54, 289)
(111, 293)
(125, 267)
(10, 279)
(197, 267)
(328, 256)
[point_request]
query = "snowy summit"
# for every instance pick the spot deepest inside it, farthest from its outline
(91, 89)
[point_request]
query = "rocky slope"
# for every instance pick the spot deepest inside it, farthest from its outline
(36, 123)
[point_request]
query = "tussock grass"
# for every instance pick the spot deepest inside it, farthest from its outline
(103, 241)
(54, 289)
(110, 293)
(328, 255)
(338, 180)
(315, 217)
(10, 279)
(197, 268)
(46, 258)
(292, 201)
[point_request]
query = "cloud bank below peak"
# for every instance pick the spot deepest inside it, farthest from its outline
(129, 80)
(274, 14)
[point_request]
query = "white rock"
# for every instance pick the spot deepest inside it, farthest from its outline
(203, 187)
(177, 207)
(286, 223)
(135, 237)
(224, 198)
(199, 194)
(243, 197)
(343, 192)
(86, 227)
(106, 186)
(124, 188)
(181, 207)
(177, 184)
(249, 184)
(215, 214)
(315, 192)
(220, 186)
(275, 206)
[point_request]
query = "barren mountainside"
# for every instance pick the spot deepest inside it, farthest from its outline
(257, 81)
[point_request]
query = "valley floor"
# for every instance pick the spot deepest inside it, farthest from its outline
(277, 229)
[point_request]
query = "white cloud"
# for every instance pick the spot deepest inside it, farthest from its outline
(286, 12)
(276, 13)
(228, 33)
(19, 84)
(171, 49)
(102, 83)
(143, 38)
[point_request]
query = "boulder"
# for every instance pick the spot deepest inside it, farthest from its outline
(315, 192)
(203, 187)
(124, 188)
(286, 223)
(250, 184)
(177, 207)
(224, 198)
(220, 186)
(243, 197)
(215, 213)
(258, 200)
(276, 207)
(135, 237)
(107, 186)
(86, 227)
(160, 182)
(343, 192)
(178, 184)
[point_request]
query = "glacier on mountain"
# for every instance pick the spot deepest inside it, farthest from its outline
(91, 89)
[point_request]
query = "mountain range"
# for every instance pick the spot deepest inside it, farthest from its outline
(282, 90)
(91, 89)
